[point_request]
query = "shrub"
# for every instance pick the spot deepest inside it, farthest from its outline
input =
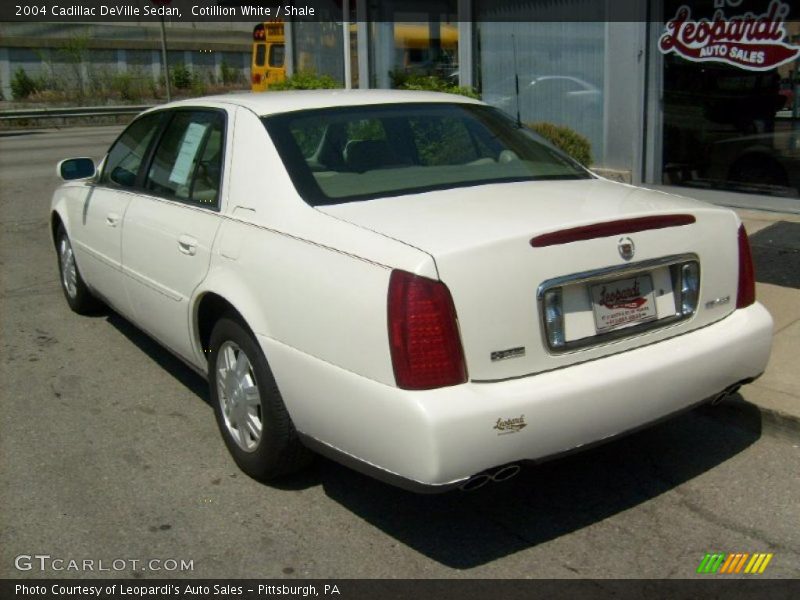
(306, 80)
(50, 96)
(429, 83)
(566, 139)
(157, 87)
(128, 87)
(198, 86)
(230, 75)
(181, 77)
(22, 85)
(99, 81)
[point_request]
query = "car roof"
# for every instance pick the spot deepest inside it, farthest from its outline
(268, 103)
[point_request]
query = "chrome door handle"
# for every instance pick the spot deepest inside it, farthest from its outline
(112, 219)
(187, 245)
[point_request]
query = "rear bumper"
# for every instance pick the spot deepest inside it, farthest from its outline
(442, 437)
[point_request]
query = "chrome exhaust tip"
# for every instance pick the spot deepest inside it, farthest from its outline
(505, 473)
(497, 475)
(475, 482)
(727, 392)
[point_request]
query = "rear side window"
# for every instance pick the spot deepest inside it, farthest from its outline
(187, 164)
(126, 155)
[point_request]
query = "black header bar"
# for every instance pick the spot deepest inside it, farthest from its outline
(88, 11)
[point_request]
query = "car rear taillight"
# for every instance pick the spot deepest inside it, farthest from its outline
(256, 78)
(423, 333)
(747, 278)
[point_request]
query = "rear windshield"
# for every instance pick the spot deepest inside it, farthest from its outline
(338, 155)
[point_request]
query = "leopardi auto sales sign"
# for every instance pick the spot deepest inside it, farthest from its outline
(749, 41)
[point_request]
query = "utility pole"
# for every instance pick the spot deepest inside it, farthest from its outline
(164, 64)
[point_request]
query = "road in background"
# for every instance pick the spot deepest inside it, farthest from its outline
(109, 450)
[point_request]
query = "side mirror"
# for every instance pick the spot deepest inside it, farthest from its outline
(75, 168)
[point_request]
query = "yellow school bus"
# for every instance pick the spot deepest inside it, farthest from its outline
(414, 42)
(269, 52)
(414, 51)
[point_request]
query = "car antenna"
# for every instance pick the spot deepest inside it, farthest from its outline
(516, 79)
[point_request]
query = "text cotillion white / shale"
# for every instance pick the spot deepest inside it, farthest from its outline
(128, 10)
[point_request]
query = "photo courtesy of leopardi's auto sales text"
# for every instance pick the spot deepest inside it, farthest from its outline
(370, 299)
(164, 590)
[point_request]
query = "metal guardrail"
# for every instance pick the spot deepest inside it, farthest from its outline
(61, 113)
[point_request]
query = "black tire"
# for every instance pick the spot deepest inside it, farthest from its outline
(278, 452)
(77, 294)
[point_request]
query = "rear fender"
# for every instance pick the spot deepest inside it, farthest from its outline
(241, 297)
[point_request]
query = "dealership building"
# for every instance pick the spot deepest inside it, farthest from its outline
(694, 96)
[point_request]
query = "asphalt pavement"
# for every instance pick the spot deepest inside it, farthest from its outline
(109, 452)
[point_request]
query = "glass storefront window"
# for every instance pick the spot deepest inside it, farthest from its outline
(730, 124)
(560, 65)
(318, 48)
(408, 39)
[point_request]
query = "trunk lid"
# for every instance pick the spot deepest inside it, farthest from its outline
(480, 239)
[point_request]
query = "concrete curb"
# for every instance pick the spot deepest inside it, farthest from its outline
(776, 421)
(780, 420)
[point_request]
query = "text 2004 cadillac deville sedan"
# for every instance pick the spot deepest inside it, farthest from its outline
(405, 281)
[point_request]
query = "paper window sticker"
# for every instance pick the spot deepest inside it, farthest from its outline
(190, 145)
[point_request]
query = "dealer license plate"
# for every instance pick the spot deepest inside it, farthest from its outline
(623, 303)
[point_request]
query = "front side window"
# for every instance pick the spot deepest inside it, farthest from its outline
(357, 153)
(187, 165)
(126, 155)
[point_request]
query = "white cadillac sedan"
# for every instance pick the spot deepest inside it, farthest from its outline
(406, 282)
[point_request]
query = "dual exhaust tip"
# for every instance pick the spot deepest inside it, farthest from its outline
(492, 475)
(728, 391)
(506, 472)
